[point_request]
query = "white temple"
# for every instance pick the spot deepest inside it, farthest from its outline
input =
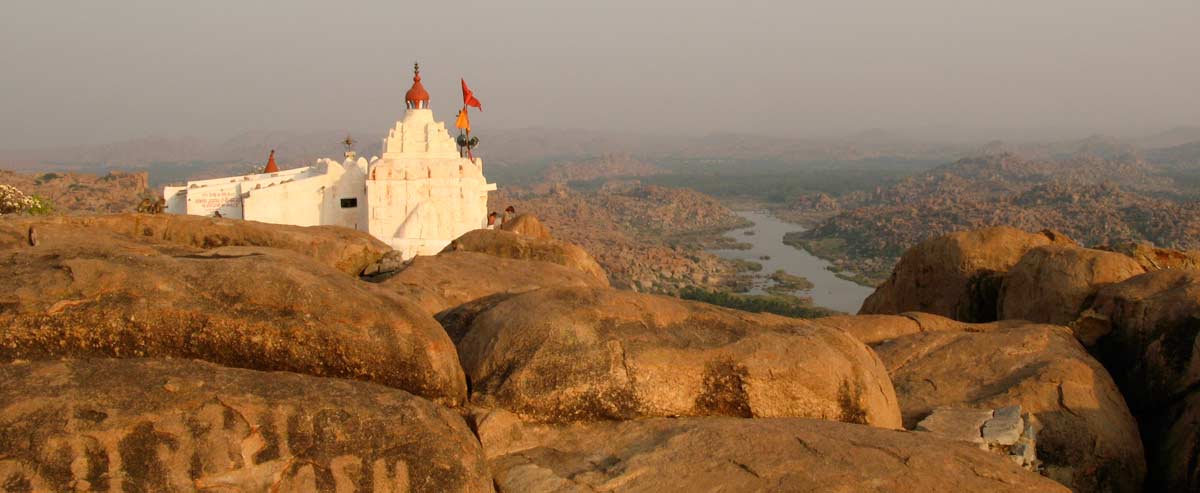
(421, 194)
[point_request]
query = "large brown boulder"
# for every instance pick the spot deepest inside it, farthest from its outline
(528, 225)
(569, 354)
(180, 425)
(1051, 283)
(344, 249)
(449, 279)
(740, 455)
(507, 244)
(1147, 330)
(957, 275)
(1089, 440)
(248, 307)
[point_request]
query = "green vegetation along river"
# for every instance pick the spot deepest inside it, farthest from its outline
(768, 249)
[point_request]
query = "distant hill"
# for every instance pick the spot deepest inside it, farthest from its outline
(83, 192)
(1174, 137)
(1093, 200)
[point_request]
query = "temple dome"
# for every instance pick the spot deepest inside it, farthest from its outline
(417, 96)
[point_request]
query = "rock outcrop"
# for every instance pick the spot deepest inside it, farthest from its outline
(1146, 330)
(728, 454)
(507, 244)
(955, 276)
(1089, 440)
(178, 425)
(1051, 283)
(249, 307)
(449, 279)
(346, 250)
(1151, 257)
(570, 354)
(527, 225)
(1174, 446)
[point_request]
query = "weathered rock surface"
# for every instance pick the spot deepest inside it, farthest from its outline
(248, 307)
(728, 454)
(1146, 330)
(1089, 440)
(527, 225)
(956, 275)
(871, 329)
(344, 249)
(179, 425)
(1050, 283)
(507, 244)
(1151, 257)
(448, 279)
(569, 354)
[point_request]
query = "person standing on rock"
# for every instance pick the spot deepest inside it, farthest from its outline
(509, 213)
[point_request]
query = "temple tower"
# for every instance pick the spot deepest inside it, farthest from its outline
(421, 192)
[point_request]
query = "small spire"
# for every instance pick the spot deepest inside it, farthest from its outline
(271, 166)
(349, 143)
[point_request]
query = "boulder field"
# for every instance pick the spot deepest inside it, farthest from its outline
(92, 293)
(171, 353)
(1135, 308)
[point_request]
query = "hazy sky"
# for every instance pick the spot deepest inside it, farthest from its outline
(96, 71)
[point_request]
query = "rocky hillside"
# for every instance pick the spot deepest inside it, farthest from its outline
(175, 344)
(80, 192)
(1134, 308)
(646, 237)
(168, 353)
(1096, 201)
(603, 167)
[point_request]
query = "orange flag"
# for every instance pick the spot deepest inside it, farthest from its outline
(463, 122)
(469, 97)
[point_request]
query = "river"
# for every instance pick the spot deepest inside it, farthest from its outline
(829, 290)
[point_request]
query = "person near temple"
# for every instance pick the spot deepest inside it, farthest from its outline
(491, 224)
(509, 213)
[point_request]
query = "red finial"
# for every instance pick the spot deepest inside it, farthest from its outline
(271, 166)
(417, 97)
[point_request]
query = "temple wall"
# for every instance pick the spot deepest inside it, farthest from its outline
(296, 202)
